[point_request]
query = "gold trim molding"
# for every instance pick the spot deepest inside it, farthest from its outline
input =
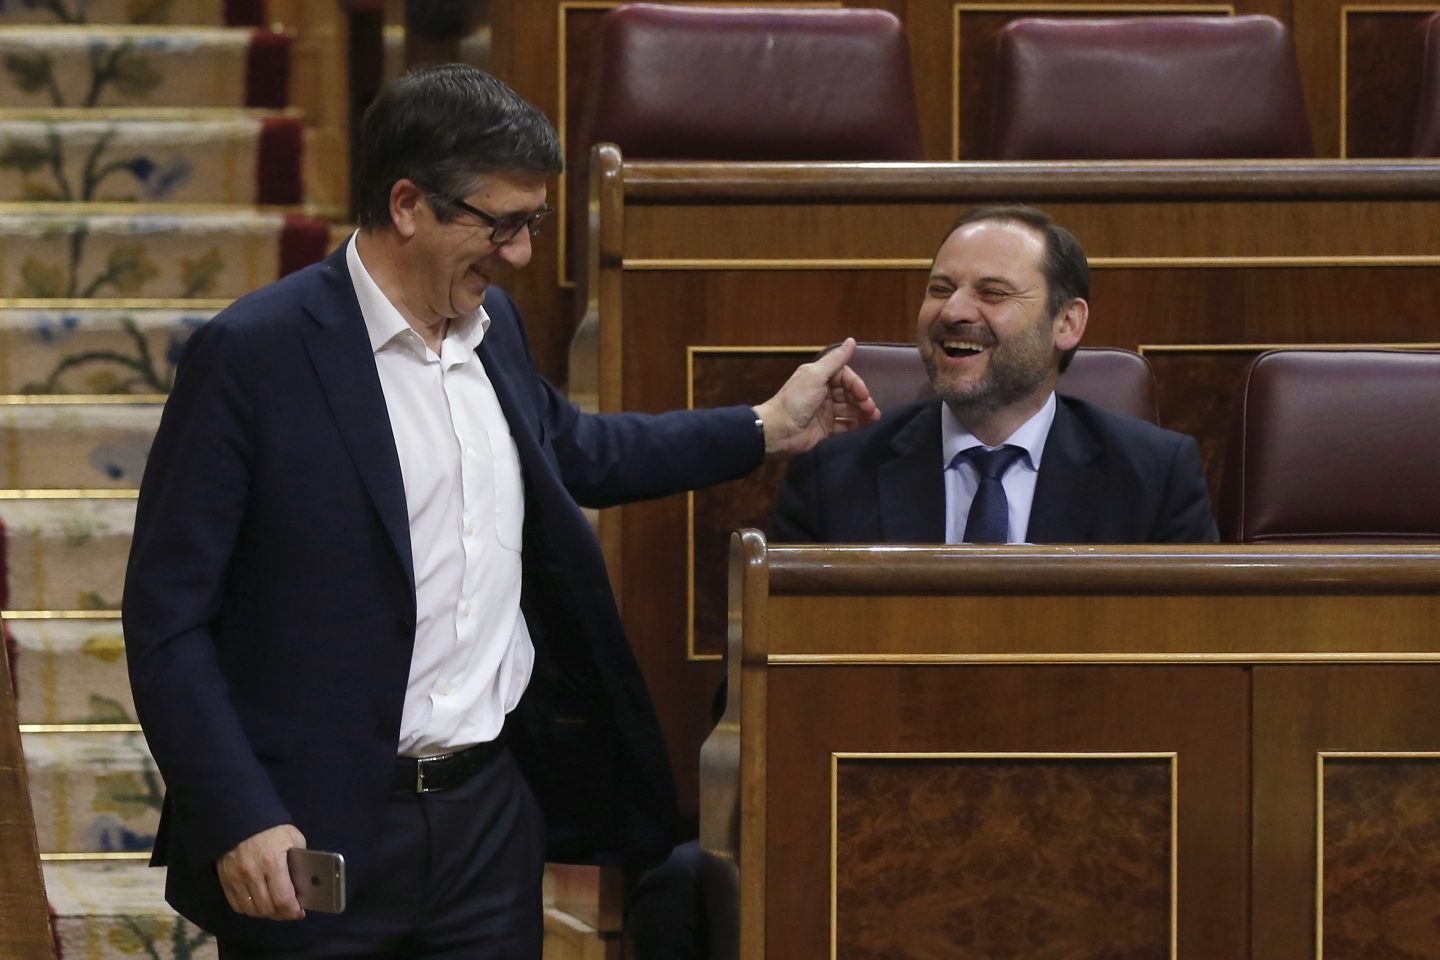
(80, 728)
(1159, 349)
(1061, 659)
(118, 493)
(1096, 263)
(116, 303)
(16, 615)
(77, 399)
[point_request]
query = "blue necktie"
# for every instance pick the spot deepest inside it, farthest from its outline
(989, 520)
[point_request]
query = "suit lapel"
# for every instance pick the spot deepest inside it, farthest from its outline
(912, 482)
(345, 366)
(1070, 484)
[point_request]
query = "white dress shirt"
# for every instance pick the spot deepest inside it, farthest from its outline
(962, 481)
(464, 496)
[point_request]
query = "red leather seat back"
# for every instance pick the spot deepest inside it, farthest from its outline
(1153, 87)
(750, 83)
(1335, 447)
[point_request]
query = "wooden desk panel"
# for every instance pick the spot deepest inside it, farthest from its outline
(1333, 679)
(1080, 727)
(1312, 713)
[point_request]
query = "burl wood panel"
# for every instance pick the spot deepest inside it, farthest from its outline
(1200, 714)
(972, 859)
(1381, 858)
(1299, 712)
(1198, 392)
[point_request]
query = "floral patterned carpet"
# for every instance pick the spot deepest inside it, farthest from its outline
(151, 169)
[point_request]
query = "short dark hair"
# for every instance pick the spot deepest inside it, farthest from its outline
(443, 127)
(1064, 266)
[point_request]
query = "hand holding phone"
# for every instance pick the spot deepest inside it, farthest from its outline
(319, 879)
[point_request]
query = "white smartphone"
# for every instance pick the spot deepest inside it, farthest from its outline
(319, 879)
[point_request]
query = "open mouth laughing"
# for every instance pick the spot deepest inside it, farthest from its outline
(961, 347)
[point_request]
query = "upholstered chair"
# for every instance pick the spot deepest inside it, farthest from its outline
(1152, 87)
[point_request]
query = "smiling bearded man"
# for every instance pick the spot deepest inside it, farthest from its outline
(1000, 456)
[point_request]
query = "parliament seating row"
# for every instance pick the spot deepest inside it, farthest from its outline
(755, 83)
(1360, 66)
(708, 282)
(1327, 446)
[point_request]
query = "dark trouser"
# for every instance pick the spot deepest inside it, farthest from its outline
(667, 918)
(457, 874)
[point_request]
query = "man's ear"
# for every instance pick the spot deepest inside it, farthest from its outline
(406, 201)
(1070, 325)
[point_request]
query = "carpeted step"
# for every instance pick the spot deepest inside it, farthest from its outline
(75, 446)
(65, 553)
(63, 254)
(114, 910)
(70, 671)
(234, 13)
(117, 66)
(208, 157)
(94, 351)
(92, 792)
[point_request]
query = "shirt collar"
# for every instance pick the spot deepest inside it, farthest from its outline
(1030, 436)
(383, 323)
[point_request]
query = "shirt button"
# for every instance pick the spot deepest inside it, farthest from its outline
(465, 610)
(445, 690)
(469, 527)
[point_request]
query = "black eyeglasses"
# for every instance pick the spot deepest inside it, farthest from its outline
(502, 229)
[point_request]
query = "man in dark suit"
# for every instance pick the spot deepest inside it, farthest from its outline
(364, 612)
(1005, 307)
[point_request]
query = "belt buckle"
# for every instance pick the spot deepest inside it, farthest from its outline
(420, 763)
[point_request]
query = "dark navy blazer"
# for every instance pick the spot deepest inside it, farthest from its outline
(269, 604)
(1103, 478)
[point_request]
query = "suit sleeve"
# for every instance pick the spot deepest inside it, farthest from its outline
(610, 459)
(614, 458)
(190, 511)
(1185, 515)
(796, 516)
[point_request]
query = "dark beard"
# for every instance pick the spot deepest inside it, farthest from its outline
(1016, 370)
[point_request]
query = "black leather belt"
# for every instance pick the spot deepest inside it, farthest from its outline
(445, 771)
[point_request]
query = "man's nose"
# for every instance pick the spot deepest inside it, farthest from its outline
(960, 306)
(517, 250)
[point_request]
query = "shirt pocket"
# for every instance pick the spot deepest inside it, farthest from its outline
(509, 490)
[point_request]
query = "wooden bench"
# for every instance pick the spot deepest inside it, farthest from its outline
(1151, 751)
(709, 282)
